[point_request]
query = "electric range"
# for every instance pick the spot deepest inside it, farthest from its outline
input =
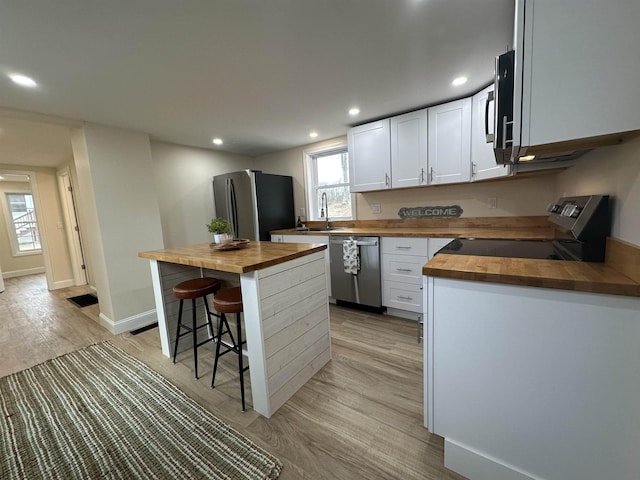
(581, 225)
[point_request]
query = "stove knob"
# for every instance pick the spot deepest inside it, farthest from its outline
(554, 208)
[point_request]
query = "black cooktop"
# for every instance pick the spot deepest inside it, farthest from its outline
(540, 249)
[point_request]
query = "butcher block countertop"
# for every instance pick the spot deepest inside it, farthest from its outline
(559, 274)
(525, 228)
(255, 256)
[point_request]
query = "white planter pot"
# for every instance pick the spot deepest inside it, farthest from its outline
(221, 238)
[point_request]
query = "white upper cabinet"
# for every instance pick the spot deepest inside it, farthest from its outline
(449, 128)
(370, 156)
(409, 149)
(577, 70)
(483, 160)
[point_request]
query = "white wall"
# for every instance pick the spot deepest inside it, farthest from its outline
(119, 208)
(54, 240)
(184, 180)
(614, 171)
(291, 162)
(519, 196)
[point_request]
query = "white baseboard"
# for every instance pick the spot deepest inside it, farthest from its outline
(476, 466)
(63, 284)
(130, 323)
(22, 273)
(403, 314)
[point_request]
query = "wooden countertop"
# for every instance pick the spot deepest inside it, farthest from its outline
(433, 232)
(526, 228)
(256, 256)
(559, 274)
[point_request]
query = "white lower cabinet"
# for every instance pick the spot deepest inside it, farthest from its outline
(402, 261)
(402, 296)
(525, 382)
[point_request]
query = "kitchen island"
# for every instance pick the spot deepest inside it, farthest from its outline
(286, 309)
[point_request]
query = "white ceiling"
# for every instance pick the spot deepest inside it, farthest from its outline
(261, 74)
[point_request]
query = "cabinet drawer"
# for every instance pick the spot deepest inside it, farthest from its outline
(403, 268)
(405, 245)
(402, 296)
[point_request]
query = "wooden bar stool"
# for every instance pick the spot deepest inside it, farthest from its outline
(226, 301)
(192, 290)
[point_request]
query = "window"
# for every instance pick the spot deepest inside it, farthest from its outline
(329, 174)
(23, 227)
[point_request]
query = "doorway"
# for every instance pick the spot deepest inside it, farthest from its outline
(74, 239)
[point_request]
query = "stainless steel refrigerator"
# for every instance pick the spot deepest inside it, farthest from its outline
(254, 202)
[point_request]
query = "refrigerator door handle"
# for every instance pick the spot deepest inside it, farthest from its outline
(227, 196)
(233, 217)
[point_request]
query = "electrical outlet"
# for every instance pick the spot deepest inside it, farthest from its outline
(303, 212)
(375, 208)
(492, 202)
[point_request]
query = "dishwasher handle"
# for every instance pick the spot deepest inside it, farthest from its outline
(360, 243)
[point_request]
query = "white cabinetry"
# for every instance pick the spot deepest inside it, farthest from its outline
(575, 86)
(312, 239)
(483, 160)
(450, 142)
(276, 238)
(506, 365)
(402, 261)
(370, 156)
(409, 149)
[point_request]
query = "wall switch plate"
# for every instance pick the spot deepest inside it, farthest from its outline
(375, 208)
(303, 212)
(492, 202)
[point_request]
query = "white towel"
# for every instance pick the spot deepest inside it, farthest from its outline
(350, 256)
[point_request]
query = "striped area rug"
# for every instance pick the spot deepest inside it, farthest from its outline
(99, 413)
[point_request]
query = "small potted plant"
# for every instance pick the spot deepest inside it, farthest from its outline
(221, 230)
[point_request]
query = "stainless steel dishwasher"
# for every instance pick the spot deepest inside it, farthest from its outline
(362, 288)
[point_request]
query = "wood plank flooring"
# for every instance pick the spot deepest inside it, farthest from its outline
(360, 417)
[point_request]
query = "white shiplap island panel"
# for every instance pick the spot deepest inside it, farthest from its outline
(287, 329)
(286, 309)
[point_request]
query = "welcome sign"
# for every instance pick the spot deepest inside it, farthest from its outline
(430, 212)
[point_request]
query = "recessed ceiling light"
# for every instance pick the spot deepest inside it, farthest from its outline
(354, 111)
(313, 134)
(459, 81)
(217, 141)
(23, 80)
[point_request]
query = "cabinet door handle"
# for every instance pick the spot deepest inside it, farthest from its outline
(488, 136)
(386, 180)
(404, 270)
(422, 175)
(403, 297)
(431, 175)
(420, 328)
(474, 170)
(403, 247)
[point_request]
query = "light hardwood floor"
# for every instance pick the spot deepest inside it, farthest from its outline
(360, 417)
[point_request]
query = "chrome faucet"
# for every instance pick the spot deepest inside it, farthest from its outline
(324, 208)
